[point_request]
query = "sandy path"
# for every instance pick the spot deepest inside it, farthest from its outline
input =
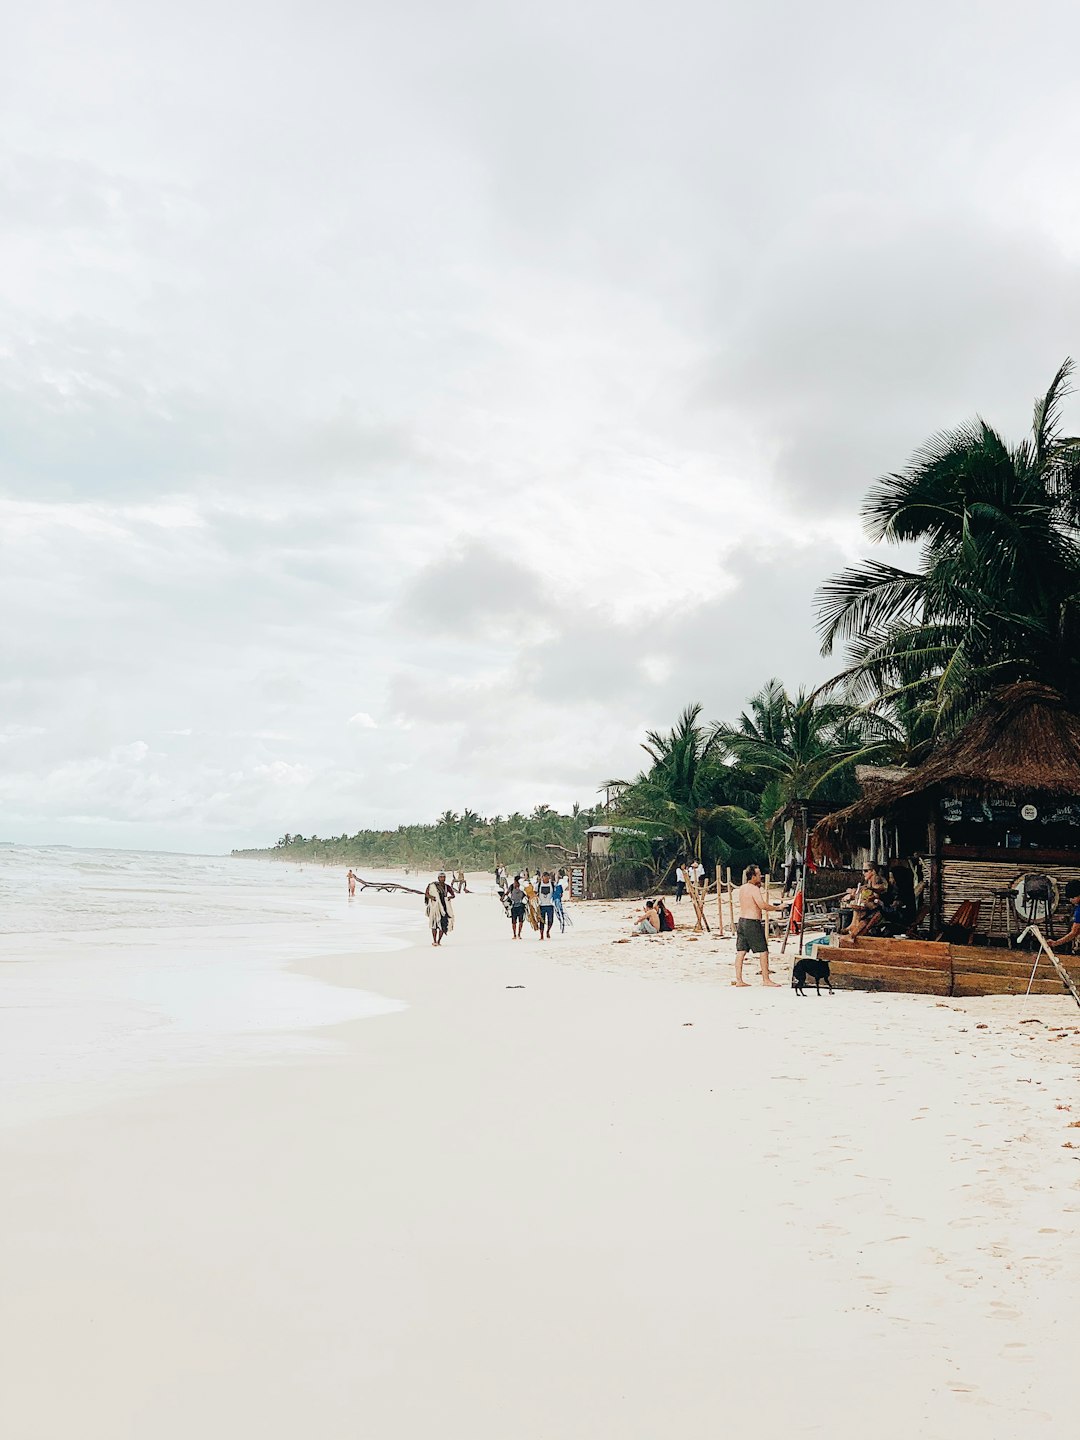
(610, 1204)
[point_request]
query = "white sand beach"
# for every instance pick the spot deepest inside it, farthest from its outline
(571, 1190)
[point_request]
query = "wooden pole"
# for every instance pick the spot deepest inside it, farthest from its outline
(801, 896)
(697, 897)
(1063, 975)
(805, 873)
(731, 899)
(719, 898)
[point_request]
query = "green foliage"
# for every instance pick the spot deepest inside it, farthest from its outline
(467, 841)
(995, 597)
(684, 802)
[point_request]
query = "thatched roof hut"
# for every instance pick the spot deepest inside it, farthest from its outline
(1023, 743)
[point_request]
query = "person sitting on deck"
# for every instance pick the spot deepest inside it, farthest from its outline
(867, 903)
(902, 893)
(1072, 892)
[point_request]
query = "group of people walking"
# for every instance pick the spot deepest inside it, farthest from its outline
(541, 900)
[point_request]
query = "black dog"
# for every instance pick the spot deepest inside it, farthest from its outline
(805, 969)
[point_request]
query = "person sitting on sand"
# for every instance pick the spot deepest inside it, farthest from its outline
(646, 921)
(664, 917)
(438, 904)
(750, 936)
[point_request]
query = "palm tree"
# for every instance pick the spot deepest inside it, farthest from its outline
(800, 747)
(996, 595)
(682, 794)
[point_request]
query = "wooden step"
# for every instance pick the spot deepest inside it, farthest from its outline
(934, 954)
(965, 983)
(990, 965)
(891, 952)
(846, 975)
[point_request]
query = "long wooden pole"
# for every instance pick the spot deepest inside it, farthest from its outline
(805, 872)
(1063, 975)
(731, 899)
(697, 896)
(801, 897)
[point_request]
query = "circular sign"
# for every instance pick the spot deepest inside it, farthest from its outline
(1028, 812)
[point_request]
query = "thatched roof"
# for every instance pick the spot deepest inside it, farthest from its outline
(1025, 741)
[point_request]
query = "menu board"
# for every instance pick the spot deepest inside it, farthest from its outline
(577, 882)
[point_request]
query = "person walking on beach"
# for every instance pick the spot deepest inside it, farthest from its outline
(750, 936)
(352, 883)
(680, 881)
(516, 897)
(562, 885)
(439, 906)
(545, 894)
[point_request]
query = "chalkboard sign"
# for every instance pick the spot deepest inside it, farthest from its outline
(577, 882)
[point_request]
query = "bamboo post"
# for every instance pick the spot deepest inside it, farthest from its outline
(719, 898)
(731, 899)
(801, 896)
(1062, 974)
(697, 897)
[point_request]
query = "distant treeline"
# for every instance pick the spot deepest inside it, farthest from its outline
(467, 841)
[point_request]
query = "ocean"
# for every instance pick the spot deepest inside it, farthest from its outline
(118, 967)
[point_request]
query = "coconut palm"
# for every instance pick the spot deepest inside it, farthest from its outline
(804, 746)
(683, 795)
(996, 594)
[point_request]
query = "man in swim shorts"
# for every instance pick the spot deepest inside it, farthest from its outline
(750, 936)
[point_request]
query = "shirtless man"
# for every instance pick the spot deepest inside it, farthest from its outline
(750, 936)
(352, 883)
(646, 921)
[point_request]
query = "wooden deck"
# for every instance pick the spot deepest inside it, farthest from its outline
(930, 967)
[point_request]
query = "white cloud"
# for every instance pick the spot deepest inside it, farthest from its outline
(465, 383)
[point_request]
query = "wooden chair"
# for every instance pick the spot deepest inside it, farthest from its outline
(965, 921)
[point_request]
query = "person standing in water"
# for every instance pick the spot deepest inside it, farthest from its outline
(750, 934)
(352, 883)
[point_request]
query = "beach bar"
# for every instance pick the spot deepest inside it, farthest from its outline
(992, 821)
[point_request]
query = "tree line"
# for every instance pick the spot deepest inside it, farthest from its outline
(993, 598)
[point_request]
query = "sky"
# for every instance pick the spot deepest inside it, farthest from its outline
(405, 406)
